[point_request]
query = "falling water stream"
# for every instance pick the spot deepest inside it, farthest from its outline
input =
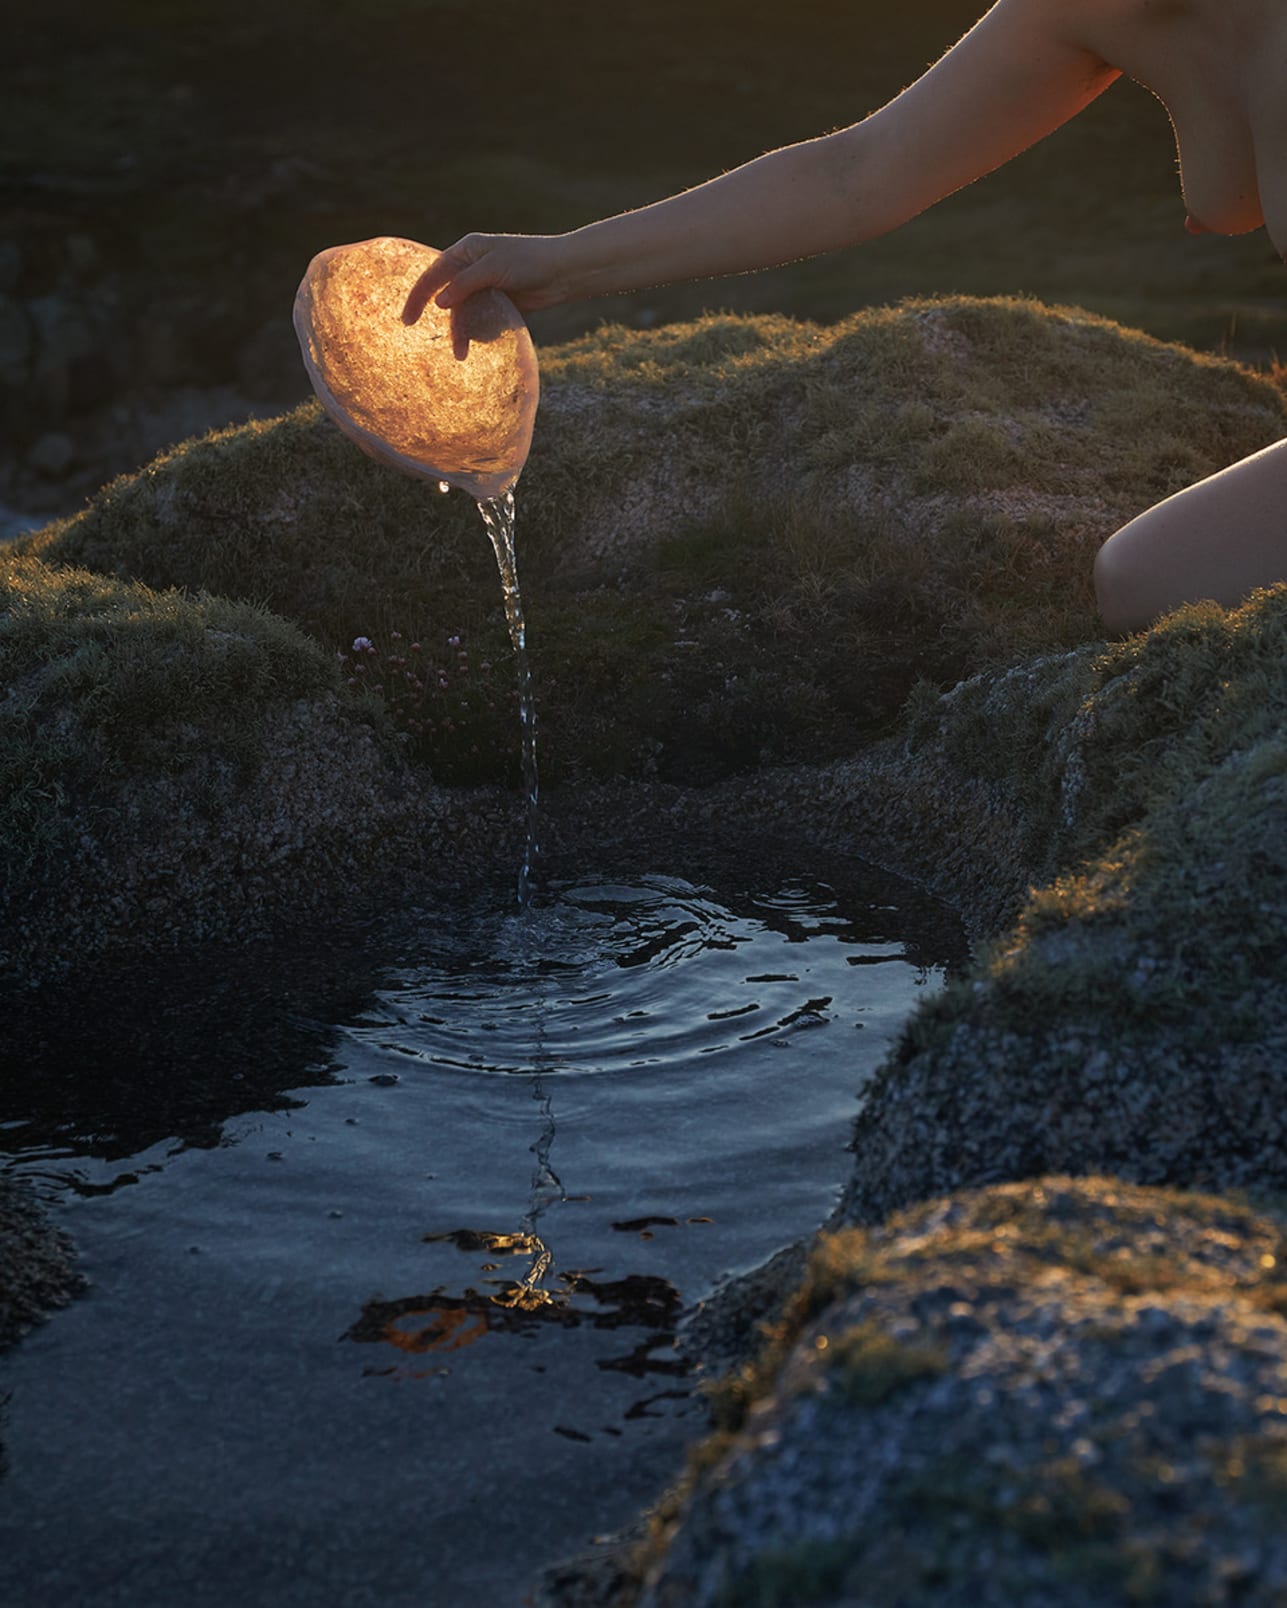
(498, 516)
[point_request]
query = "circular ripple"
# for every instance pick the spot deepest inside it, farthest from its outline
(614, 975)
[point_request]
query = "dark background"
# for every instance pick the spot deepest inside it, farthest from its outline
(167, 171)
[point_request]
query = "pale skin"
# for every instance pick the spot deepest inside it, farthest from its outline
(1028, 66)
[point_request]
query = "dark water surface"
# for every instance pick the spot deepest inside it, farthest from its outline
(388, 1241)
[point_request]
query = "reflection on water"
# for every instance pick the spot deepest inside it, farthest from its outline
(354, 1211)
(168, 1050)
(602, 978)
(440, 1321)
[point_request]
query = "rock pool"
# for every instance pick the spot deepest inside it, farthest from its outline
(388, 1240)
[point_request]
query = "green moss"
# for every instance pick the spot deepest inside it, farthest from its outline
(970, 456)
(106, 679)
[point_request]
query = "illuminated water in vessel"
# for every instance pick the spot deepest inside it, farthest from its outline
(388, 1241)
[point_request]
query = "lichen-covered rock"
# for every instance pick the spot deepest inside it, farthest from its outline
(1060, 1393)
(1111, 823)
(920, 414)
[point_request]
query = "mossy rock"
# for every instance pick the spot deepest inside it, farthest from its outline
(174, 768)
(1111, 823)
(742, 540)
(1134, 1019)
(1059, 1392)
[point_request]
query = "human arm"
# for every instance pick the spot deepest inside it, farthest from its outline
(1019, 73)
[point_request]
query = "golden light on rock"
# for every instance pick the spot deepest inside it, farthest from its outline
(451, 397)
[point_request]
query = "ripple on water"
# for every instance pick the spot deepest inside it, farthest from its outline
(389, 1304)
(612, 977)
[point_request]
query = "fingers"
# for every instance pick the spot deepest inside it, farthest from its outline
(462, 285)
(419, 294)
(428, 284)
(520, 265)
(447, 271)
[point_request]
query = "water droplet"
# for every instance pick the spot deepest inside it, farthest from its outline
(444, 486)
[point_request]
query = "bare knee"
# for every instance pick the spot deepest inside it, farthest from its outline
(1119, 587)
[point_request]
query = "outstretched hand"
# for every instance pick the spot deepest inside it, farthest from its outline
(525, 267)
